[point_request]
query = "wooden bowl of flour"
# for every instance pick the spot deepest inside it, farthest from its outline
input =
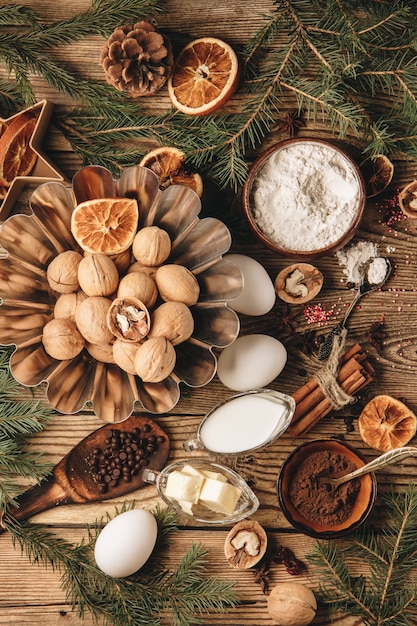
(304, 198)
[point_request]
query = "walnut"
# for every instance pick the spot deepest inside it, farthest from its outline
(172, 320)
(102, 352)
(245, 544)
(98, 275)
(138, 285)
(292, 604)
(61, 339)
(124, 354)
(122, 260)
(155, 359)
(140, 267)
(128, 319)
(136, 59)
(67, 303)
(62, 272)
(151, 246)
(91, 319)
(177, 283)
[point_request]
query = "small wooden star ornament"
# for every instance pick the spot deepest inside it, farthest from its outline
(33, 123)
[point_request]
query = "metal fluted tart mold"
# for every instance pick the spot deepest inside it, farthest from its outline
(32, 241)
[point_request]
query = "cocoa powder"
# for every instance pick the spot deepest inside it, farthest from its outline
(324, 504)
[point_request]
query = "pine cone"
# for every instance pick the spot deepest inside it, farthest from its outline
(137, 59)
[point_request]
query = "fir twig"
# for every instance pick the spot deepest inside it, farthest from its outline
(335, 59)
(185, 593)
(388, 593)
(20, 419)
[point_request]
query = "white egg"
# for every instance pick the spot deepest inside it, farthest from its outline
(126, 543)
(251, 362)
(258, 294)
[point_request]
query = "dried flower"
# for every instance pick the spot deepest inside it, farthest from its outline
(292, 564)
(261, 573)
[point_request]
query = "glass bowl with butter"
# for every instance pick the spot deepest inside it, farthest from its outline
(207, 492)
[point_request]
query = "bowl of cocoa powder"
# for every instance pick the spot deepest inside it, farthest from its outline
(320, 510)
(304, 198)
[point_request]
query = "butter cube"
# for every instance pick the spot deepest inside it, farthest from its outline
(181, 486)
(219, 496)
(214, 475)
(193, 471)
(187, 507)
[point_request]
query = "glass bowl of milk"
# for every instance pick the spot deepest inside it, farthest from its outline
(243, 423)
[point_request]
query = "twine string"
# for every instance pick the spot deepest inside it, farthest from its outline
(327, 375)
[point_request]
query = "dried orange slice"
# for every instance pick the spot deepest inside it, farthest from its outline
(168, 164)
(386, 423)
(106, 225)
(17, 157)
(204, 77)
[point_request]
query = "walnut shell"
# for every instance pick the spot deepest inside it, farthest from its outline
(67, 303)
(151, 246)
(172, 320)
(91, 319)
(122, 260)
(155, 359)
(298, 283)
(61, 339)
(102, 352)
(98, 275)
(245, 544)
(140, 267)
(128, 319)
(124, 354)
(292, 604)
(177, 283)
(62, 272)
(386, 423)
(138, 285)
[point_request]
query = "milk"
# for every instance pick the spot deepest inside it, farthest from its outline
(243, 423)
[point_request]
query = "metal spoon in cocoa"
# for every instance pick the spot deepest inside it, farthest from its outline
(388, 458)
(108, 463)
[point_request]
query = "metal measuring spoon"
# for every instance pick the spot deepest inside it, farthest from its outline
(388, 458)
(364, 287)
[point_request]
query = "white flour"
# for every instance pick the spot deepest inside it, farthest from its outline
(354, 257)
(305, 197)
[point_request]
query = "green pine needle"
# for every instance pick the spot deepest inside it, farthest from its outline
(387, 595)
(186, 594)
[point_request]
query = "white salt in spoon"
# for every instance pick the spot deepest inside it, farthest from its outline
(388, 458)
(365, 286)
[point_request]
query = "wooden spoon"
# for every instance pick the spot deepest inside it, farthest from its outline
(73, 480)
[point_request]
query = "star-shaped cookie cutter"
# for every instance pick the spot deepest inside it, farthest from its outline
(44, 170)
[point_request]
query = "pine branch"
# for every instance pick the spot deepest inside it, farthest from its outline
(330, 57)
(388, 594)
(185, 593)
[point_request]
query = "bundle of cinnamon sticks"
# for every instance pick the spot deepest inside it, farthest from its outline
(354, 373)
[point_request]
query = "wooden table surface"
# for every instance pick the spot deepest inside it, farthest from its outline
(31, 595)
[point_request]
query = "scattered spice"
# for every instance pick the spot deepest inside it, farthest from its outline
(319, 313)
(261, 576)
(324, 504)
(290, 123)
(376, 334)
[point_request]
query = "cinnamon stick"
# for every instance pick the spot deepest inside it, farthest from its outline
(311, 403)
